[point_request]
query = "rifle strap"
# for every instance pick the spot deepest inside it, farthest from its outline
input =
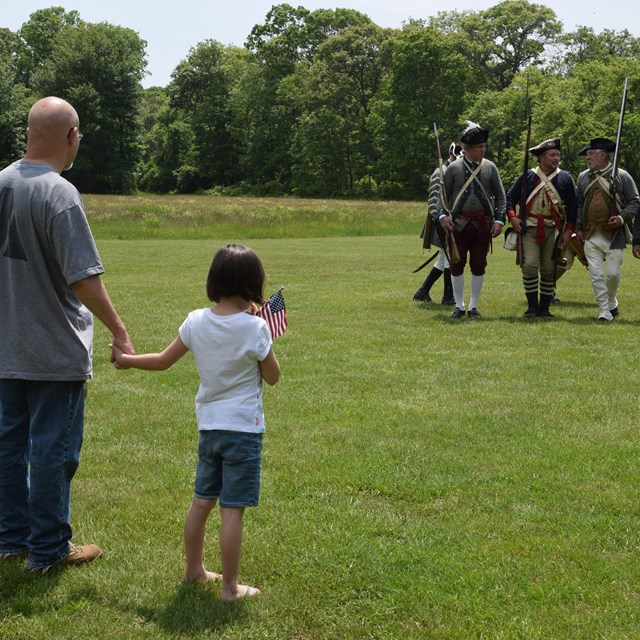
(556, 210)
(599, 180)
(546, 184)
(467, 184)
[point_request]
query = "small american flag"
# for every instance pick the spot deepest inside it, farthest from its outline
(275, 314)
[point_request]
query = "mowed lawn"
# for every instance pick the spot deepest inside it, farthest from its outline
(422, 477)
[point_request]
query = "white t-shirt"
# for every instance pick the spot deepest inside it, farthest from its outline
(227, 350)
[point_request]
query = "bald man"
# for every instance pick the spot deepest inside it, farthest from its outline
(51, 288)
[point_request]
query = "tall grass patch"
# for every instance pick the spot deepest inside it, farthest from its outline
(197, 217)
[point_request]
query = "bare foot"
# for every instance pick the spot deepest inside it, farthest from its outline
(202, 577)
(242, 591)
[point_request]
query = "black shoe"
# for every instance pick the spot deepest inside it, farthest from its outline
(473, 313)
(448, 300)
(614, 312)
(545, 313)
(555, 300)
(421, 296)
(531, 312)
(457, 313)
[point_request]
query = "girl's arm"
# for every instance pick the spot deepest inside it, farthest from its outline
(151, 361)
(270, 368)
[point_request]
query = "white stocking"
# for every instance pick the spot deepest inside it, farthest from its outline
(476, 289)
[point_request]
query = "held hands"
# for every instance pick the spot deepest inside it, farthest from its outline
(116, 356)
(123, 343)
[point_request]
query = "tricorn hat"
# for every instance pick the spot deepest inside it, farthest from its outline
(474, 134)
(604, 144)
(547, 145)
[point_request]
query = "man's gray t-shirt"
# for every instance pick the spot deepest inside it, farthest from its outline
(45, 246)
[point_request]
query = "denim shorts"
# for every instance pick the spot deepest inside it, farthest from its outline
(229, 465)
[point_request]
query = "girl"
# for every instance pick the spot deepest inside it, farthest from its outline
(233, 353)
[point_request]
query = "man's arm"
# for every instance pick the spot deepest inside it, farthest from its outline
(513, 197)
(631, 199)
(499, 196)
(445, 219)
(93, 294)
(435, 201)
(580, 222)
(632, 206)
(570, 201)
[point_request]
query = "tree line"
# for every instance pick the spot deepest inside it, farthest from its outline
(320, 103)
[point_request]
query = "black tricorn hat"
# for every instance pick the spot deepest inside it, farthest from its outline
(604, 144)
(547, 145)
(474, 134)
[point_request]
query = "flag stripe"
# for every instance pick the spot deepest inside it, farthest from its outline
(274, 313)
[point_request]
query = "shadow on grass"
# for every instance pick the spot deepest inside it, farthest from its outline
(23, 593)
(193, 609)
(589, 321)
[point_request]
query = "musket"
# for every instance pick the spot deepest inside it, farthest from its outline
(613, 182)
(522, 209)
(446, 237)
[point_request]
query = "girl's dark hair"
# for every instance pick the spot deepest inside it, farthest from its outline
(236, 270)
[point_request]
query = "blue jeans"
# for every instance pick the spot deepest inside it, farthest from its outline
(41, 428)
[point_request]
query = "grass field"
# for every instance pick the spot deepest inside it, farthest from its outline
(422, 477)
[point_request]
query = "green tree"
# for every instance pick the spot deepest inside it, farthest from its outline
(584, 105)
(584, 45)
(170, 165)
(202, 90)
(426, 85)
(8, 44)
(280, 43)
(98, 68)
(13, 119)
(287, 41)
(322, 152)
(36, 39)
(500, 41)
(594, 93)
(159, 157)
(345, 79)
(290, 34)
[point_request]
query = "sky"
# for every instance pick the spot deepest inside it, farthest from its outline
(171, 29)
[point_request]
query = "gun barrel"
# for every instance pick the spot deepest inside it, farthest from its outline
(616, 153)
(435, 132)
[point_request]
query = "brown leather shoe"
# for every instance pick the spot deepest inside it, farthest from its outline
(81, 554)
